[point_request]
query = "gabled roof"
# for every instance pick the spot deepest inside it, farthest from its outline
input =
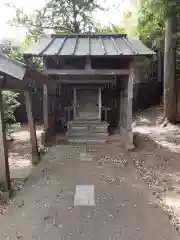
(92, 45)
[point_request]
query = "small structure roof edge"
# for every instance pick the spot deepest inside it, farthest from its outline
(21, 71)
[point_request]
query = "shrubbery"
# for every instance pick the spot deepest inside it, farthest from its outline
(10, 103)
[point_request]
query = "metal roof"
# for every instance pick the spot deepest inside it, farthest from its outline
(20, 71)
(12, 67)
(93, 45)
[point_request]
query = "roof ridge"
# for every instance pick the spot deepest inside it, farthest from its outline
(90, 35)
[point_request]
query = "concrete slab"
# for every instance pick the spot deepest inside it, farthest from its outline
(84, 195)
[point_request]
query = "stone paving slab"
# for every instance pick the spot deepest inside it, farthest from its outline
(44, 209)
(84, 195)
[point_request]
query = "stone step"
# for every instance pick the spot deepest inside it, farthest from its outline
(84, 127)
(83, 140)
(87, 131)
(87, 122)
(87, 134)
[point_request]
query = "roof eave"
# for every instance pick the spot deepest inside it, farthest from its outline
(103, 56)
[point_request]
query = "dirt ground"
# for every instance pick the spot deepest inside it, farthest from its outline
(156, 156)
(20, 148)
(85, 192)
(20, 157)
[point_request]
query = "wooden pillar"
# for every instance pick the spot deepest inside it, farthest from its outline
(129, 119)
(44, 134)
(45, 107)
(4, 165)
(32, 128)
(74, 103)
(100, 104)
(51, 110)
(125, 122)
(49, 113)
(122, 103)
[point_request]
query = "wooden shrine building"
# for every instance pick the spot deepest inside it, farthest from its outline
(94, 74)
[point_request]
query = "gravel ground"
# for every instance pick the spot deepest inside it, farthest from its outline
(157, 158)
(124, 207)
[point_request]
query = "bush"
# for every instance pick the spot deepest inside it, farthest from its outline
(10, 103)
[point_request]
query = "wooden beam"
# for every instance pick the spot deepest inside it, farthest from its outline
(4, 165)
(83, 77)
(11, 83)
(39, 77)
(88, 72)
(86, 81)
(32, 128)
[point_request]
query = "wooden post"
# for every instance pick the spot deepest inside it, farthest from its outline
(69, 114)
(74, 103)
(129, 132)
(32, 128)
(4, 165)
(44, 134)
(121, 104)
(126, 110)
(45, 107)
(52, 111)
(49, 113)
(100, 104)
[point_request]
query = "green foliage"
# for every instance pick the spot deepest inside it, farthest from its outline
(11, 49)
(151, 24)
(6, 46)
(152, 18)
(110, 29)
(58, 16)
(10, 103)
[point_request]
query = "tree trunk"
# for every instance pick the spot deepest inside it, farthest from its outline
(160, 66)
(170, 96)
(75, 23)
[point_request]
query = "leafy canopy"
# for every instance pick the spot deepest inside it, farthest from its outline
(67, 16)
